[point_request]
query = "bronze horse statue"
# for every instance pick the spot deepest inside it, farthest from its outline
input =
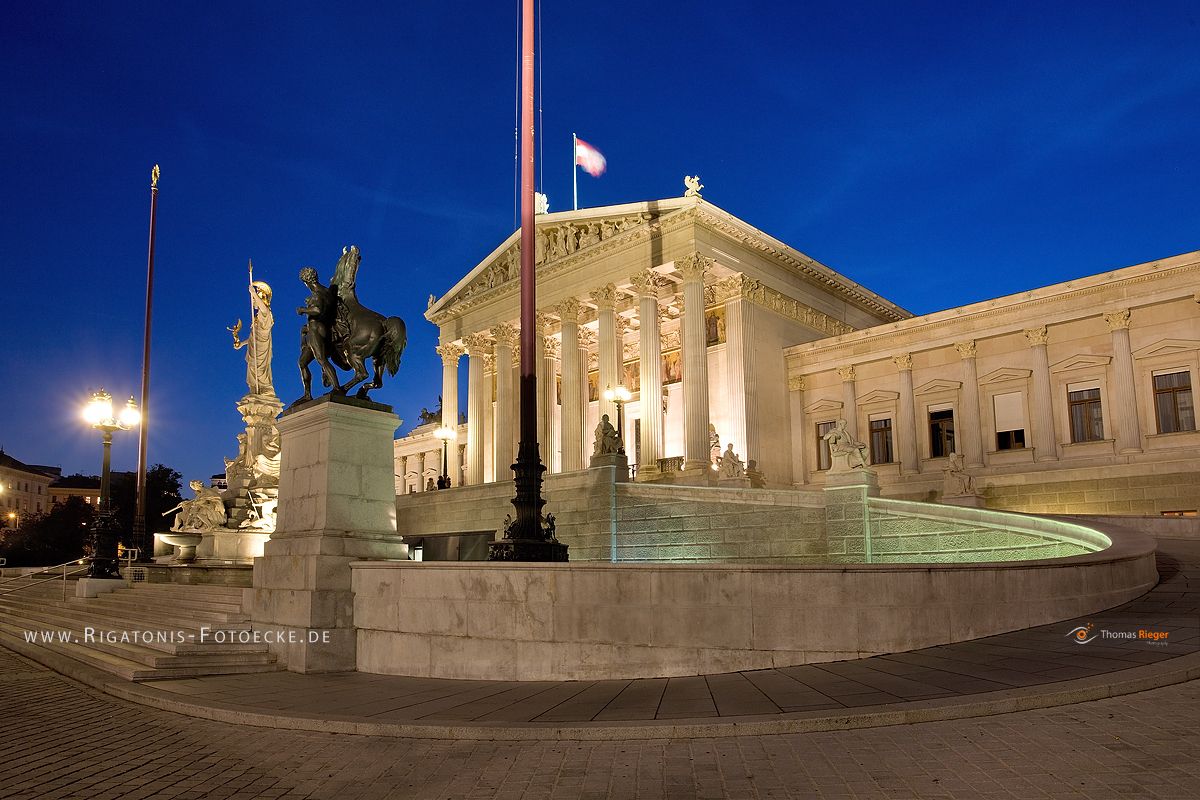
(340, 330)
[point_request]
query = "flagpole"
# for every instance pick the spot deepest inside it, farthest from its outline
(529, 537)
(574, 172)
(139, 516)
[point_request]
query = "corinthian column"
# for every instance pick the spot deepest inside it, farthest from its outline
(650, 367)
(450, 354)
(799, 430)
(605, 299)
(1044, 439)
(849, 399)
(695, 363)
(549, 391)
(477, 346)
(907, 424)
(587, 340)
(740, 374)
(420, 472)
(572, 400)
(970, 436)
(539, 366)
(1129, 430)
(502, 446)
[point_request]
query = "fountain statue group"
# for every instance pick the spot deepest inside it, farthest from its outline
(337, 330)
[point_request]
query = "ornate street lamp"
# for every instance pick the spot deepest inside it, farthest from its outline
(620, 396)
(447, 435)
(99, 414)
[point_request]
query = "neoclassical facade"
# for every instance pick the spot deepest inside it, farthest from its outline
(727, 336)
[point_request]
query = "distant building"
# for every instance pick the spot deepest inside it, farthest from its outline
(86, 487)
(24, 489)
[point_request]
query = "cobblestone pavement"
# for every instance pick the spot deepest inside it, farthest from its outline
(60, 740)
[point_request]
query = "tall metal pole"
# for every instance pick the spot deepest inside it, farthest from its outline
(106, 472)
(139, 517)
(574, 172)
(528, 538)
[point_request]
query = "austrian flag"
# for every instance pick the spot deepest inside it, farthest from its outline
(589, 158)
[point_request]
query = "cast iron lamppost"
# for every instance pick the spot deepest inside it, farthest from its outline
(447, 435)
(99, 414)
(529, 536)
(620, 396)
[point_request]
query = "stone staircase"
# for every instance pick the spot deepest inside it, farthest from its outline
(144, 632)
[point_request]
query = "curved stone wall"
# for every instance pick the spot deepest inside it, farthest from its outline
(588, 621)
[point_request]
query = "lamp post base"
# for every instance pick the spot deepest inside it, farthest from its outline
(103, 563)
(530, 535)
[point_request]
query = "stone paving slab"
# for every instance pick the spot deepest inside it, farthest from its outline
(1023, 669)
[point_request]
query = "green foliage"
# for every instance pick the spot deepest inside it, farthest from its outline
(162, 492)
(58, 535)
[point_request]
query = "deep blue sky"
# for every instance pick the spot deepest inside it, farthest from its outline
(938, 153)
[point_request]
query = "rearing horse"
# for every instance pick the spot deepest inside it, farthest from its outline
(357, 334)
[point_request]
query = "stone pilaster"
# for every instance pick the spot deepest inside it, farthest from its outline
(1044, 438)
(572, 400)
(849, 399)
(695, 363)
(450, 354)
(337, 504)
(506, 337)
(420, 472)
(800, 432)
(741, 378)
(906, 425)
(650, 368)
(478, 394)
(968, 441)
(605, 299)
(1125, 414)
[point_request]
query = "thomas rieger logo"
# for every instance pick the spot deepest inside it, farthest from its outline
(1083, 634)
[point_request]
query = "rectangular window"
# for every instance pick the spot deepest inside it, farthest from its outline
(824, 461)
(1083, 408)
(1009, 410)
(881, 441)
(941, 432)
(1173, 402)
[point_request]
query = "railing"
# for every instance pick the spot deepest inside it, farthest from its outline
(672, 464)
(45, 571)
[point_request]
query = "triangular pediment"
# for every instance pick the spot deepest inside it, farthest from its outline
(823, 406)
(560, 236)
(938, 385)
(1167, 347)
(877, 396)
(1005, 374)
(1080, 361)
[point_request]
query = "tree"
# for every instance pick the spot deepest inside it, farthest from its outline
(42, 540)
(162, 492)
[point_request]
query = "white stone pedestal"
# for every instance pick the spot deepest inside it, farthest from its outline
(94, 587)
(846, 520)
(740, 482)
(965, 500)
(618, 460)
(337, 504)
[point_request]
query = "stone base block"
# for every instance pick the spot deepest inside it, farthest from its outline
(94, 587)
(618, 460)
(853, 478)
(965, 500)
(734, 483)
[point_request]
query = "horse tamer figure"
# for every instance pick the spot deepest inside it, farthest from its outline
(341, 331)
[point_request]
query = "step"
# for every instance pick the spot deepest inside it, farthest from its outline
(118, 618)
(190, 588)
(75, 619)
(127, 602)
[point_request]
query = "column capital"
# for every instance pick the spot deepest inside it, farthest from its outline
(551, 347)
(489, 363)
(965, 349)
(477, 344)
(692, 266)
(542, 321)
(587, 337)
(506, 335)
(568, 310)
(1117, 320)
(796, 383)
(605, 297)
(646, 283)
(620, 325)
(846, 372)
(1037, 336)
(903, 361)
(450, 353)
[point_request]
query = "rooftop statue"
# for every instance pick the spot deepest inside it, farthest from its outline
(338, 330)
(693, 184)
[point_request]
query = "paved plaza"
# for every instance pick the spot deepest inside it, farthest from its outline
(60, 740)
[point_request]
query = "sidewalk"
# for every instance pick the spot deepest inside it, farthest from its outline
(1033, 668)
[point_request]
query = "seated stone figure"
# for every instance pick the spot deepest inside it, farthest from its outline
(731, 466)
(607, 442)
(845, 451)
(956, 480)
(205, 512)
